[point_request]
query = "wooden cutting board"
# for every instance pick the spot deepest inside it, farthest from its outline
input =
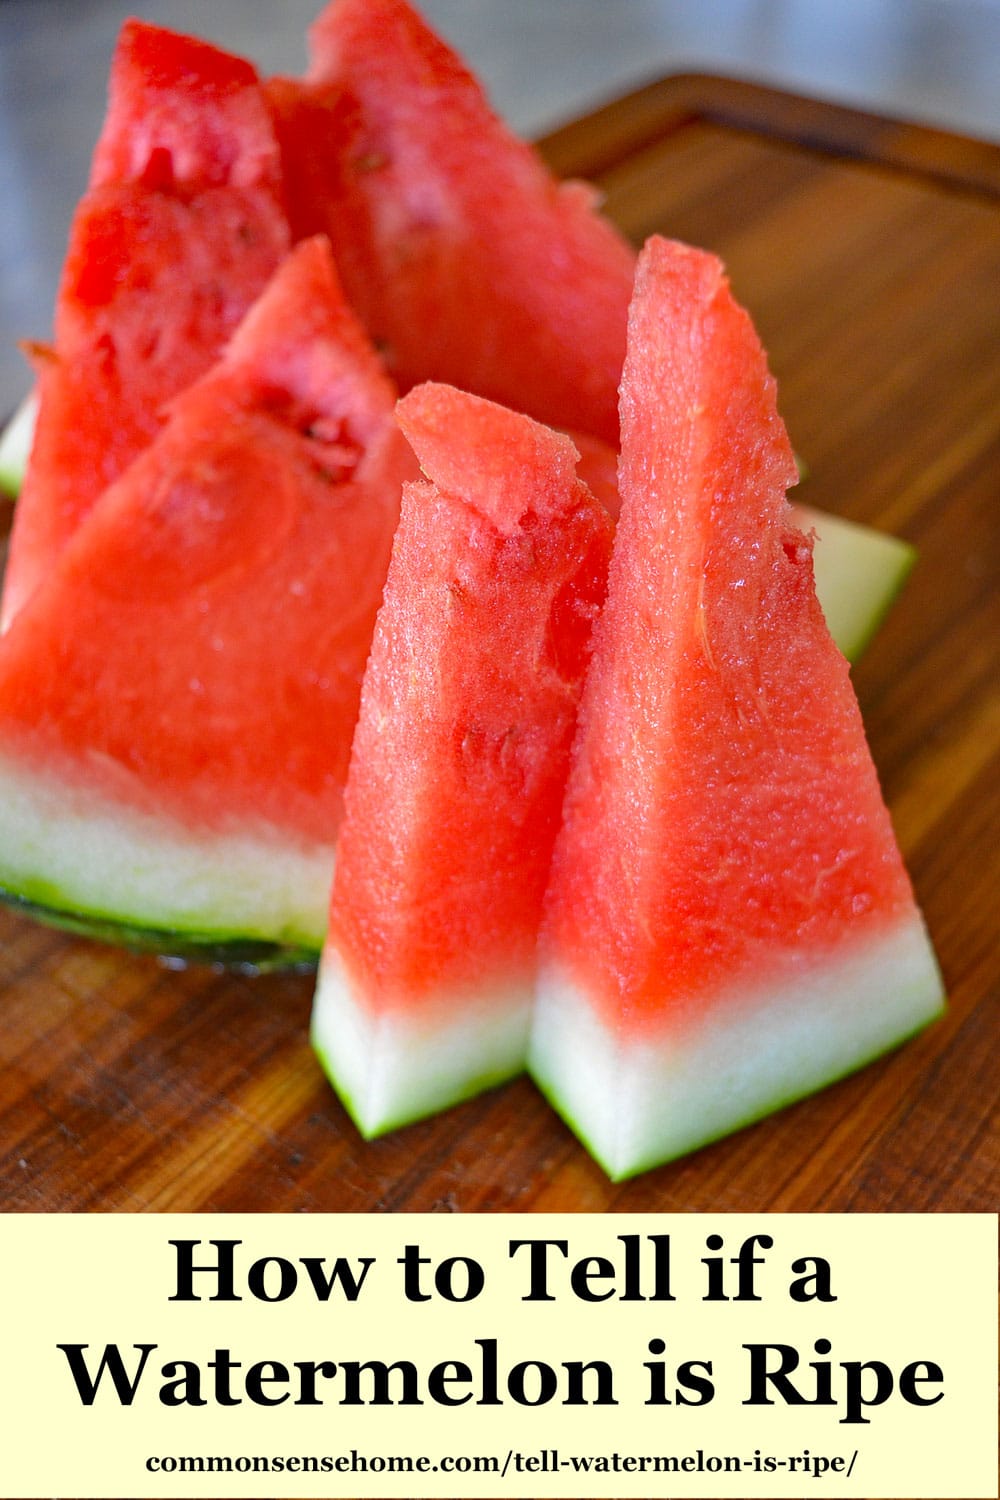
(869, 256)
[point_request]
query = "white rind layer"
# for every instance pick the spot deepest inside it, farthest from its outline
(635, 1104)
(399, 1064)
(858, 572)
(73, 851)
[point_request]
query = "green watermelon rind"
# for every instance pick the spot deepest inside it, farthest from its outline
(234, 951)
(859, 575)
(80, 861)
(15, 445)
(402, 1063)
(639, 1104)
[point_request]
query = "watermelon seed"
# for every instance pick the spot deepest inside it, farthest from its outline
(372, 161)
(158, 173)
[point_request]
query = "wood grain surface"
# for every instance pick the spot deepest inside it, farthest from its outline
(869, 256)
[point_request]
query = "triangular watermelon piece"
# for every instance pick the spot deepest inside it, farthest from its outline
(177, 698)
(181, 226)
(729, 924)
(459, 762)
(465, 259)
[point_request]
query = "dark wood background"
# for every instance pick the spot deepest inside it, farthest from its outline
(869, 256)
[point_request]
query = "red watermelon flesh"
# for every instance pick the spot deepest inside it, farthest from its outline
(189, 671)
(183, 116)
(729, 924)
(858, 571)
(181, 227)
(459, 762)
(597, 466)
(466, 260)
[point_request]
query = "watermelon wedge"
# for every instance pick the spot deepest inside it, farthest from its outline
(178, 696)
(181, 226)
(465, 259)
(459, 762)
(728, 924)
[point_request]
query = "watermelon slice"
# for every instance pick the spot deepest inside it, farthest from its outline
(181, 226)
(459, 763)
(465, 259)
(729, 924)
(178, 696)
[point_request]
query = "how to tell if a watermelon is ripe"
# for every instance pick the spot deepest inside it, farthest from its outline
(459, 762)
(729, 924)
(178, 696)
(182, 224)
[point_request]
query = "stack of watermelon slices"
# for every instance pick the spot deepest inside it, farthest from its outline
(200, 549)
(727, 922)
(466, 261)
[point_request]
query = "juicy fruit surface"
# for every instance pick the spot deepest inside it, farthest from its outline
(858, 571)
(200, 643)
(466, 260)
(459, 762)
(469, 704)
(758, 829)
(179, 231)
(196, 651)
(183, 113)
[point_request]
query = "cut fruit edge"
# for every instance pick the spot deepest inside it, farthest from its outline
(82, 862)
(636, 1103)
(859, 571)
(396, 1065)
